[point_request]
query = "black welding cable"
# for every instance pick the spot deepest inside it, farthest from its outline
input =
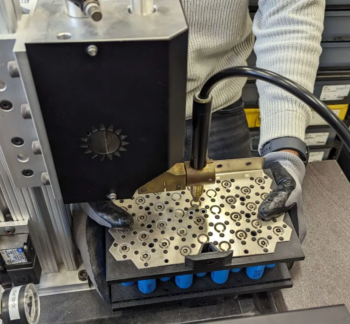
(286, 84)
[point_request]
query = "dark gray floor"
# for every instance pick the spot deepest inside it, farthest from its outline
(323, 278)
(87, 307)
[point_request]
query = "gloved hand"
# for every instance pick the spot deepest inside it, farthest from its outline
(89, 237)
(288, 171)
(107, 214)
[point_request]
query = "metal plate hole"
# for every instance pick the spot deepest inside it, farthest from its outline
(22, 158)
(263, 242)
(215, 209)
(17, 141)
(211, 193)
(141, 218)
(179, 213)
(226, 184)
(140, 200)
(241, 235)
(278, 230)
(176, 196)
(203, 238)
(6, 105)
(3, 86)
(219, 227)
(231, 200)
(236, 217)
(224, 246)
(185, 250)
(263, 195)
(27, 173)
(260, 181)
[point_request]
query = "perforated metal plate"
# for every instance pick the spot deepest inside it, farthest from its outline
(169, 225)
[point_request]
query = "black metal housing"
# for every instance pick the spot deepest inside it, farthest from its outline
(136, 86)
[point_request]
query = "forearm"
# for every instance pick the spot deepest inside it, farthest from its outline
(288, 40)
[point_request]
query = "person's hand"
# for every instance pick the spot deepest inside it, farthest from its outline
(89, 237)
(107, 214)
(288, 170)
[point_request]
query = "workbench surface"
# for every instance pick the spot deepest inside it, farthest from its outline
(322, 279)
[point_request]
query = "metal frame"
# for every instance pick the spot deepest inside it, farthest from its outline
(48, 221)
(52, 21)
(9, 191)
(13, 125)
(8, 16)
(60, 219)
(61, 282)
(23, 207)
(30, 204)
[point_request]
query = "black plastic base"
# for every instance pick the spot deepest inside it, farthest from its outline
(27, 273)
(203, 290)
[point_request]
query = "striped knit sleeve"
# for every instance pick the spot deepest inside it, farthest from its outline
(288, 35)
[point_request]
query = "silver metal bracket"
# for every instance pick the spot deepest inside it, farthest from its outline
(18, 138)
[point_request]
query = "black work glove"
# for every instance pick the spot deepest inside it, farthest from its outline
(288, 171)
(89, 237)
(107, 214)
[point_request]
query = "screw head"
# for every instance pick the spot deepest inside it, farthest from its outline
(9, 230)
(6, 105)
(28, 173)
(112, 196)
(82, 275)
(17, 141)
(92, 50)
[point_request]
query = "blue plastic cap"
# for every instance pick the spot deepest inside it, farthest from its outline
(255, 272)
(147, 286)
(128, 283)
(236, 270)
(184, 281)
(220, 277)
(201, 274)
